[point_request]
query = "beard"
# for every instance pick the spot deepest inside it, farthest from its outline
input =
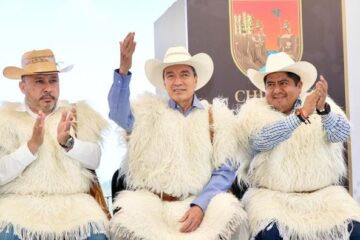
(46, 105)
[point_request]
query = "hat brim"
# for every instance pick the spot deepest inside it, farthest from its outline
(16, 73)
(305, 70)
(202, 63)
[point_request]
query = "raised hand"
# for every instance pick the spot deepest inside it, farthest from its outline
(37, 137)
(64, 126)
(192, 219)
(322, 90)
(127, 48)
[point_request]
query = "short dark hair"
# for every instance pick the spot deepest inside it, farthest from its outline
(192, 68)
(291, 75)
(23, 77)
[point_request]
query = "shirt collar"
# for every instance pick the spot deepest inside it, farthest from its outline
(196, 103)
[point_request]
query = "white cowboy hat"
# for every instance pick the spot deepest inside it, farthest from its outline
(281, 62)
(202, 63)
(35, 62)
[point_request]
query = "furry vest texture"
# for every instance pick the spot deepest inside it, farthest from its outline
(143, 216)
(50, 199)
(293, 165)
(293, 185)
(173, 154)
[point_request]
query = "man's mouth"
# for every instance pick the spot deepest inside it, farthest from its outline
(47, 98)
(279, 97)
(179, 90)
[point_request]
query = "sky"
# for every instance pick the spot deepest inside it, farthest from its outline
(85, 33)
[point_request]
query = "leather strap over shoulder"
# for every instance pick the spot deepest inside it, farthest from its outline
(211, 125)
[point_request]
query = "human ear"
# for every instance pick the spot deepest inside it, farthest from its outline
(22, 86)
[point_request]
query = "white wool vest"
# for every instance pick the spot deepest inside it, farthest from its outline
(306, 161)
(173, 154)
(54, 188)
(293, 185)
(52, 172)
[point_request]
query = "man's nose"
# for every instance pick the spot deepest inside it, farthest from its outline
(177, 80)
(47, 87)
(277, 88)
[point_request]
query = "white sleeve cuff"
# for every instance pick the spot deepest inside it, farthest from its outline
(24, 153)
(87, 153)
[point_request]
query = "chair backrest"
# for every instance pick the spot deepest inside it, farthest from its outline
(98, 194)
(117, 184)
(238, 189)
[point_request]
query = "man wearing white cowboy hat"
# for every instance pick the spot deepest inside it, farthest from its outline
(292, 144)
(176, 147)
(46, 150)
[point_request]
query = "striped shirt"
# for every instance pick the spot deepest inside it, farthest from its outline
(336, 126)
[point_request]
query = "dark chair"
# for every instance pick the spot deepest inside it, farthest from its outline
(117, 184)
(238, 189)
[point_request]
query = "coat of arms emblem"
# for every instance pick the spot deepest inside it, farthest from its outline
(261, 27)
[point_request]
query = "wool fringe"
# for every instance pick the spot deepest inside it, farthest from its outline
(80, 233)
(338, 232)
(122, 233)
(232, 226)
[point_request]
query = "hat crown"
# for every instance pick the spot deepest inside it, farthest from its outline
(39, 61)
(201, 62)
(281, 62)
(278, 61)
(35, 62)
(176, 54)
